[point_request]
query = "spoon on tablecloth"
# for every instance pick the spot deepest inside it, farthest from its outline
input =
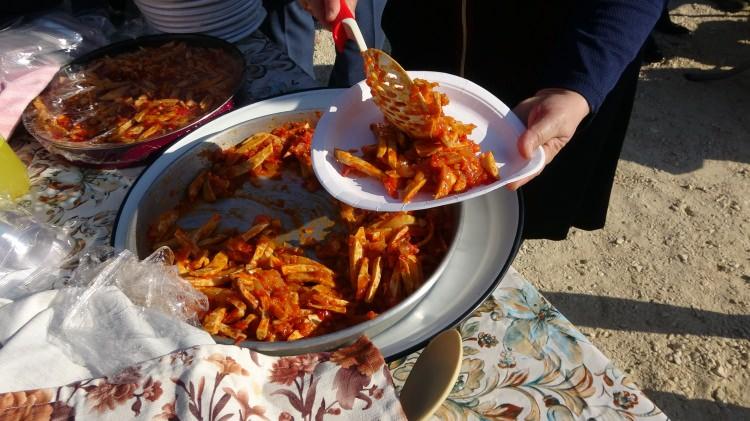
(433, 376)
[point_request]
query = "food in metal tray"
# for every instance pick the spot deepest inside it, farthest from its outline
(136, 96)
(261, 288)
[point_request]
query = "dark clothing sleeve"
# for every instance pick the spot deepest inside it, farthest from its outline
(604, 36)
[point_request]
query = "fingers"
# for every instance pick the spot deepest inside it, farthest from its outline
(552, 116)
(523, 109)
(326, 11)
(542, 127)
(332, 8)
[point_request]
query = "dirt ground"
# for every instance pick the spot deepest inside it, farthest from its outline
(664, 289)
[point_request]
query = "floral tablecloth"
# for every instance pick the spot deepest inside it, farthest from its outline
(522, 358)
(224, 382)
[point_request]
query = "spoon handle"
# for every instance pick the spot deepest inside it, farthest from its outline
(344, 27)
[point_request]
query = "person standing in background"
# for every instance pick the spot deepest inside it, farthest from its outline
(651, 51)
(290, 25)
(569, 69)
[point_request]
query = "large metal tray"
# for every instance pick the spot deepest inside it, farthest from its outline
(486, 241)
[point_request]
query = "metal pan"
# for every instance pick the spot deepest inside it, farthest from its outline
(487, 239)
(284, 198)
(124, 155)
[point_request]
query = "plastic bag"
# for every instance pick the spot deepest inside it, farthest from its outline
(152, 283)
(32, 253)
(133, 28)
(113, 310)
(120, 310)
(31, 52)
(50, 39)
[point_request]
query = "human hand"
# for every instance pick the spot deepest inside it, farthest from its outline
(325, 11)
(551, 117)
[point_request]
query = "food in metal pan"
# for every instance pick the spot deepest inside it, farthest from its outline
(261, 288)
(442, 161)
(136, 96)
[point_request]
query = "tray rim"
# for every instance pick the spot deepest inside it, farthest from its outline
(517, 241)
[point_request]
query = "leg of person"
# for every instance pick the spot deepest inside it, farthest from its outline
(348, 68)
(551, 198)
(288, 25)
(574, 189)
(612, 127)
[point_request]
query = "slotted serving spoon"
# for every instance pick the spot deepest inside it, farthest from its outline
(389, 83)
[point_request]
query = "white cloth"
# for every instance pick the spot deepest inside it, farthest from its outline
(37, 353)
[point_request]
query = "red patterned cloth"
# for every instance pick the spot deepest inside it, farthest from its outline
(222, 382)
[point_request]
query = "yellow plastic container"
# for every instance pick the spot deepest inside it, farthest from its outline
(14, 181)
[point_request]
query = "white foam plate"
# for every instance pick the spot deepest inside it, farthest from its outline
(346, 125)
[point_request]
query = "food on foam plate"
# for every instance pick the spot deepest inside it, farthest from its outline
(437, 156)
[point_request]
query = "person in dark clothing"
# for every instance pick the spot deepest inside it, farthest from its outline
(292, 27)
(651, 51)
(569, 68)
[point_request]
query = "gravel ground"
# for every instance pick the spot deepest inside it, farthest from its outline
(664, 289)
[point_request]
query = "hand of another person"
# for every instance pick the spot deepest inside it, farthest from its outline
(325, 11)
(551, 117)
